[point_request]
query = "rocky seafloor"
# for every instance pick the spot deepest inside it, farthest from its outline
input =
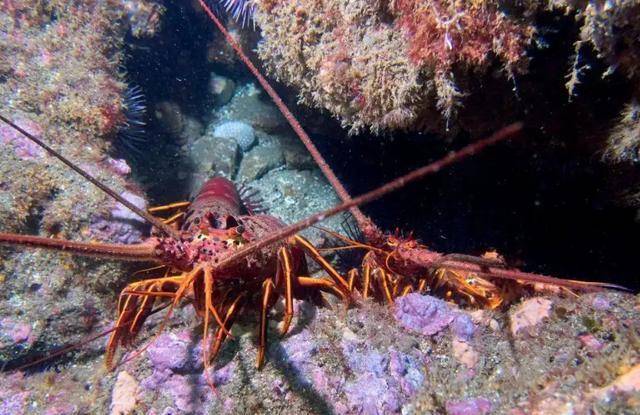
(546, 355)
(564, 353)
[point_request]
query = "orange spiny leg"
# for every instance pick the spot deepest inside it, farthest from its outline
(129, 304)
(351, 278)
(134, 306)
(383, 280)
(208, 289)
(284, 257)
(228, 320)
(171, 206)
(422, 285)
(126, 309)
(324, 284)
(310, 250)
(366, 280)
(406, 290)
(267, 289)
(144, 309)
(173, 218)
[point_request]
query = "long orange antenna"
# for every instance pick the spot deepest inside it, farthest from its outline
(146, 216)
(342, 192)
(377, 193)
(135, 252)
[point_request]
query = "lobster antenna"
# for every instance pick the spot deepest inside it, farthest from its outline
(146, 216)
(343, 194)
(398, 183)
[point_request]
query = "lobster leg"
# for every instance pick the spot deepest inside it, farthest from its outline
(284, 256)
(383, 280)
(267, 290)
(310, 250)
(171, 206)
(324, 284)
(351, 278)
(228, 320)
(208, 290)
(367, 280)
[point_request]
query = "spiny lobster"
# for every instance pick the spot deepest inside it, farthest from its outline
(219, 257)
(395, 265)
(223, 259)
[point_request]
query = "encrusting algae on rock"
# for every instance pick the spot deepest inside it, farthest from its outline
(421, 355)
(387, 65)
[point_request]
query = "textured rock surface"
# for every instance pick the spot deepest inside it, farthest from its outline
(369, 360)
(241, 132)
(259, 160)
(215, 155)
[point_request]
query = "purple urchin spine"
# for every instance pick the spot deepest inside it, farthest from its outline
(241, 10)
(131, 134)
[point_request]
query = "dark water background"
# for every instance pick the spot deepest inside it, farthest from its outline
(546, 202)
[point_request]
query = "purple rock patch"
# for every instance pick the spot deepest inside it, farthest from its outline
(423, 314)
(383, 381)
(22, 146)
(473, 406)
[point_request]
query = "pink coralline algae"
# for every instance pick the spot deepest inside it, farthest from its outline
(123, 226)
(118, 166)
(383, 381)
(22, 147)
(13, 398)
(428, 316)
(474, 406)
(600, 303)
(379, 381)
(13, 332)
(177, 372)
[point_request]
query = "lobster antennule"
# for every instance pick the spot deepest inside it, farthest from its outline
(135, 252)
(146, 216)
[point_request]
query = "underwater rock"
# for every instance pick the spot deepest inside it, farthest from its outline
(475, 406)
(122, 225)
(221, 88)
(144, 17)
(251, 105)
(296, 156)
(123, 398)
(241, 132)
(530, 313)
(382, 66)
(215, 155)
(624, 138)
(292, 195)
(118, 166)
(182, 127)
(259, 160)
(428, 316)
(14, 332)
(23, 147)
(170, 117)
(13, 399)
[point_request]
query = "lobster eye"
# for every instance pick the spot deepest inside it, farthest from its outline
(240, 229)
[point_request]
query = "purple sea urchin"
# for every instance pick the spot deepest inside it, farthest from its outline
(241, 10)
(131, 134)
